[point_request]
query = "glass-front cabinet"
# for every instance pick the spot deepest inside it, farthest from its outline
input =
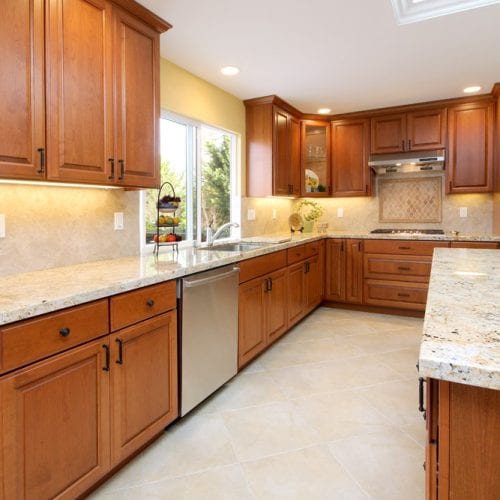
(315, 158)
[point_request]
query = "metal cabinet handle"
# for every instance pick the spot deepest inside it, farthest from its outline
(403, 144)
(150, 302)
(403, 295)
(112, 161)
(404, 248)
(409, 144)
(270, 284)
(64, 332)
(41, 170)
(107, 353)
(421, 407)
(119, 361)
(122, 169)
(403, 268)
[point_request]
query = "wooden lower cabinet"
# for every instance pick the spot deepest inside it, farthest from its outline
(491, 245)
(296, 292)
(143, 383)
(275, 318)
(463, 432)
(55, 427)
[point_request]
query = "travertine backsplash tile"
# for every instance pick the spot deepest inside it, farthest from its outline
(56, 226)
(264, 222)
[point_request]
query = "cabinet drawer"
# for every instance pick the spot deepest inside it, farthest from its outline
(402, 295)
(138, 305)
(389, 267)
(33, 339)
(302, 252)
(403, 247)
(252, 268)
(474, 244)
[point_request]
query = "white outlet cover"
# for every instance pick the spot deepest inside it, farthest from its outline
(275, 213)
(340, 212)
(2, 226)
(251, 214)
(118, 221)
(463, 212)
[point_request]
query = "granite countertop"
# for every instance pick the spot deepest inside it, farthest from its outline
(461, 334)
(31, 294)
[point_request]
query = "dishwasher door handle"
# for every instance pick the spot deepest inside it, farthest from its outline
(203, 281)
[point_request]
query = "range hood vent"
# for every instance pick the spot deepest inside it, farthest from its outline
(412, 162)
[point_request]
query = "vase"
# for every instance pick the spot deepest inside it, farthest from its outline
(308, 226)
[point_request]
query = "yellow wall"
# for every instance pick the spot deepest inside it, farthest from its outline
(190, 96)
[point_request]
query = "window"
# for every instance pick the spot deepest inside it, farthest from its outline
(199, 162)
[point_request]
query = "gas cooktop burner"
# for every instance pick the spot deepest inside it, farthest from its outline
(407, 231)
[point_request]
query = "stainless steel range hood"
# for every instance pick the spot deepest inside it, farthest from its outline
(411, 162)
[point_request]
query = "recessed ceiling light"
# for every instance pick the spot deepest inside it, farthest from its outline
(472, 89)
(229, 70)
(324, 111)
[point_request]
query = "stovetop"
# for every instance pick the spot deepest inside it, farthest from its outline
(407, 231)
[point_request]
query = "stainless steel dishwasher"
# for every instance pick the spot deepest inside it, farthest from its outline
(209, 333)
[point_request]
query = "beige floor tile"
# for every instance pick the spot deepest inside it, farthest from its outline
(303, 380)
(403, 361)
(416, 430)
(340, 415)
(310, 473)
(373, 343)
(314, 331)
(387, 465)
(223, 483)
(250, 389)
(253, 367)
(259, 431)
(195, 443)
(288, 354)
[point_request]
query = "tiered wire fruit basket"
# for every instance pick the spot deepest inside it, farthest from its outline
(166, 219)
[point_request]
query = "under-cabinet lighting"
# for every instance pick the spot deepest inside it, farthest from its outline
(57, 184)
(472, 89)
(229, 70)
(469, 273)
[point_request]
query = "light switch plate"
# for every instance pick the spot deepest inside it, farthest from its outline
(340, 212)
(463, 212)
(118, 221)
(275, 213)
(2, 226)
(251, 214)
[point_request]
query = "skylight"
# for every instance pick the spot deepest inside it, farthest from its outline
(411, 11)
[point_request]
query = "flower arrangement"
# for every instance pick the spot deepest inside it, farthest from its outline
(310, 210)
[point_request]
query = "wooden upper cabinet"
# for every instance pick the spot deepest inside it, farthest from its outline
(469, 166)
(413, 131)
(315, 142)
(272, 149)
(79, 91)
(350, 150)
(22, 118)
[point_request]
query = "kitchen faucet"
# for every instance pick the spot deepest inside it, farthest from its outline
(212, 237)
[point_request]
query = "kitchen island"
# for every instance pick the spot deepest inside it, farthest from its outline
(460, 362)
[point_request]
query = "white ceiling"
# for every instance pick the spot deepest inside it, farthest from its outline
(347, 55)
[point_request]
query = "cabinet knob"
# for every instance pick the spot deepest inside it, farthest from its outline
(64, 332)
(150, 302)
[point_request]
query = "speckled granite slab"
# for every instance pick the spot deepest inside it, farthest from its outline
(461, 335)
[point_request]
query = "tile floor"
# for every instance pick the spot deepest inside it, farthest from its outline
(328, 412)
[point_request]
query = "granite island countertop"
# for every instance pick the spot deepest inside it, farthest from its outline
(34, 293)
(461, 333)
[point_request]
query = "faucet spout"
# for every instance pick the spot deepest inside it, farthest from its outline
(211, 238)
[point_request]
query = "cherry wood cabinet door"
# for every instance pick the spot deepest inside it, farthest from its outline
(354, 271)
(296, 286)
(137, 98)
(55, 427)
(388, 133)
(143, 383)
(276, 305)
(314, 278)
(316, 158)
(295, 158)
(335, 270)
(281, 152)
(469, 166)
(22, 113)
(426, 129)
(251, 320)
(79, 91)
(350, 151)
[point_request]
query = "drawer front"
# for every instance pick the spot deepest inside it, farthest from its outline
(395, 294)
(403, 247)
(389, 267)
(34, 339)
(138, 305)
(258, 266)
(474, 244)
(301, 252)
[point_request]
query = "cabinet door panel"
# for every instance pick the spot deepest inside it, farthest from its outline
(137, 101)
(314, 278)
(335, 270)
(470, 148)
(315, 140)
(56, 425)
(296, 293)
(276, 306)
(144, 383)
(281, 152)
(79, 91)
(294, 177)
(251, 332)
(350, 150)
(21, 88)
(388, 133)
(354, 271)
(426, 129)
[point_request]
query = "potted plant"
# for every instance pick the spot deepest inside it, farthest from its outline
(310, 211)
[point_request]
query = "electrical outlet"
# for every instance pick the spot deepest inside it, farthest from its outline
(275, 214)
(463, 212)
(2, 226)
(251, 214)
(118, 221)
(340, 212)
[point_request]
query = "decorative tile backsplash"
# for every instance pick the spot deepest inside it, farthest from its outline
(410, 199)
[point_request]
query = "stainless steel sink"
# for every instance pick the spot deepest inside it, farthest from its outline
(234, 247)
